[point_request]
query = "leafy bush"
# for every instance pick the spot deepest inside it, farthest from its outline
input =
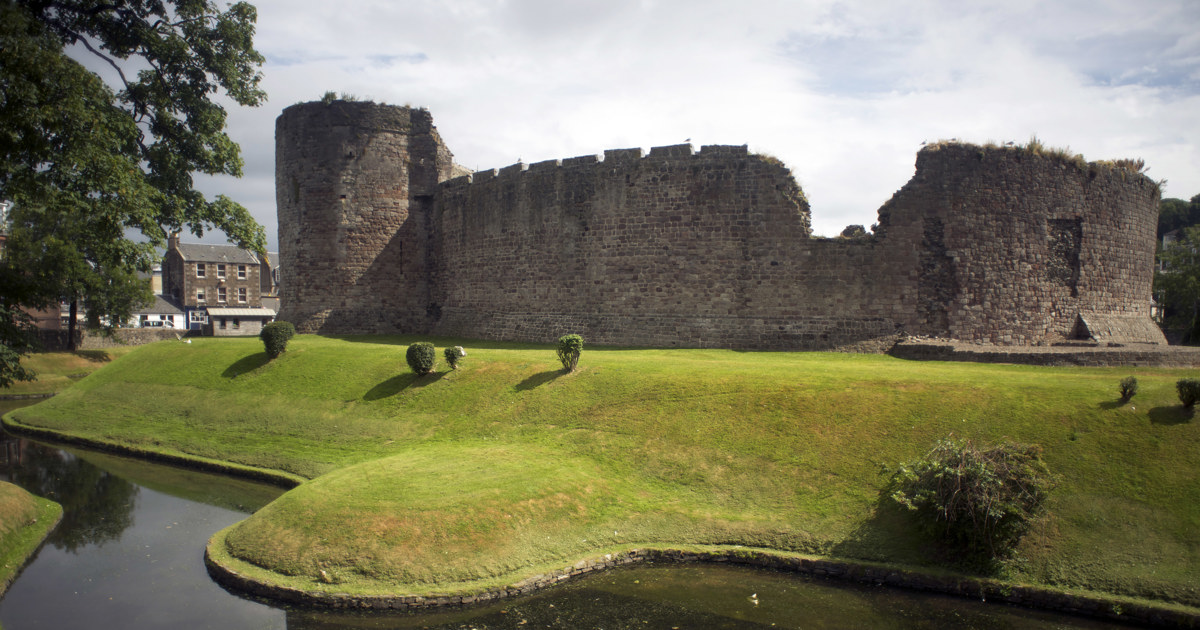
(421, 357)
(980, 500)
(1189, 391)
(275, 337)
(454, 355)
(1129, 387)
(569, 347)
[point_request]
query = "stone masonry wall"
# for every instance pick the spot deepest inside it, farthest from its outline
(671, 249)
(348, 176)
(1015, 246)
(694, 249)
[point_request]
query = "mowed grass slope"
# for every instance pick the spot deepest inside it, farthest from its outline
(25, 521)
(507, 467)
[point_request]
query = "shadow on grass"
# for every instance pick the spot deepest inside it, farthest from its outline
(541, 378)
(246, 365)
(1171, 415)
(97, 356)
(1114, 404)
(401, 382)
(893, 535)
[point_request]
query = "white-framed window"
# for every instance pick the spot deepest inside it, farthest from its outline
(200, 295)
(220, 270)
(241, 272)
(200, 270)
(198, 317)
(242, 295)
(220, 294)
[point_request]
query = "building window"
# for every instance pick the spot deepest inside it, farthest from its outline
(237, 323)
(242, 295)
(221, 271)
(198, 317)
(241, 272)
(220, 294)
(200, 270)
(222, 323)
(199, 295)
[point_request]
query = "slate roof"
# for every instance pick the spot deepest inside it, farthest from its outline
(160, 307)
(216, 254)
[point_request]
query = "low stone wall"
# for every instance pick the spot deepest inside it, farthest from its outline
(1090, 605)
(1090, 356)
(56, 340)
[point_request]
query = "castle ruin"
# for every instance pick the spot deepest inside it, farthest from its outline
(713, 248)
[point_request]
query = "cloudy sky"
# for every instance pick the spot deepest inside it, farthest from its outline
(843, 92)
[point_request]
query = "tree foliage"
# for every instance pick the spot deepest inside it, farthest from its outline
(1177, 213)
(569, 348)
(980, 500)
(99, 175)
(1177, 283)
(275, 337)
(421, 357)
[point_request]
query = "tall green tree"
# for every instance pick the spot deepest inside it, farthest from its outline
(1177, 283)
(99, 173)
(1177, 213)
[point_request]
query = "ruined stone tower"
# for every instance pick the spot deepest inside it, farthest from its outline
(352, 182)
(708, 248)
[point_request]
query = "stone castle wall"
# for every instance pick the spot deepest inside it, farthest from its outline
(352, 182)
(695, 249)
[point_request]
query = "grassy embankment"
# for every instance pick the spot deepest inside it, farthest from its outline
(25, 521)
(506, 468)
(58, 370)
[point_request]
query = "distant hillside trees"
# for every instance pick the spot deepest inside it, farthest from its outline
(1177, 276)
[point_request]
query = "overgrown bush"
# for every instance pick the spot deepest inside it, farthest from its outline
(979, 500)
(1189, 391)
(421, 357)
(569, 348)
(1129, 387)
(275, 337)
(454, 355)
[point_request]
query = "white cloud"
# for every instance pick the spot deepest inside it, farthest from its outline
(844, 92)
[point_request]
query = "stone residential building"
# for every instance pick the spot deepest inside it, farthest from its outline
(218, 287)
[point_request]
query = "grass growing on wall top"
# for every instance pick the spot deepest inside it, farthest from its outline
(509, 464)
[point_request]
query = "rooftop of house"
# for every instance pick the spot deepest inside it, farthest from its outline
(216, 254)
(160, 306)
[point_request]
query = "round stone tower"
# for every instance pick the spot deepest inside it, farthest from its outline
(352, 184)
(1023, 248)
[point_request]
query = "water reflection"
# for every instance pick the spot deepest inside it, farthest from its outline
(97, 505)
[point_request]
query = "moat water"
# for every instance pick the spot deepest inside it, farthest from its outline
(129, 554)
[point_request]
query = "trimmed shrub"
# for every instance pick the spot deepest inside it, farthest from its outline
(979, 500)
(569, 348)
(275, 337)
(421, 357)
(1189, 391)
(1129, 387)
(454, 355)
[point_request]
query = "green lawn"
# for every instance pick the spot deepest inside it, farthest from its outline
(58, 370)
(506, 467)
(25, 521)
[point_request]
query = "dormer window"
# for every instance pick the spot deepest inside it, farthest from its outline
(200, 270)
